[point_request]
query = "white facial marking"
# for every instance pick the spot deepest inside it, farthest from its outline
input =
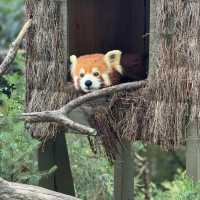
(95, 83)
(82, 71)
(76, 84)
(95, 69)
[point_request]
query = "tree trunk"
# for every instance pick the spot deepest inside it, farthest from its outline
(17, 191)
(46, 75)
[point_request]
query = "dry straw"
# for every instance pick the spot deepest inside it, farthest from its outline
(160, 113)
(157, 114)
(164, 111)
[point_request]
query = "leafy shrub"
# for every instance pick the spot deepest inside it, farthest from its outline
(17, 149)
(11, 12)
(182, 188)
(93, 175)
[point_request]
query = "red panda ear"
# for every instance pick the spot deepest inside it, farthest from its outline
(113, 59)
(74, 61)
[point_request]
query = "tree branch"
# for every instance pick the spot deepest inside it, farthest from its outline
(14, 48)
(13, 191)
(60, 116)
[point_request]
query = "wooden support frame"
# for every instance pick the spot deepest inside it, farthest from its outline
(55, 153)
(124, 172)
(124, 164)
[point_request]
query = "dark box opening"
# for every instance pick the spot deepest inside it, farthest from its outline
(97, 26)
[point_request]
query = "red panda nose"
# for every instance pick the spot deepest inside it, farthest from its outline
(88, 83)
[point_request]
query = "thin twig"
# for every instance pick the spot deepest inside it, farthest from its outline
(60, 116)
(14, 48)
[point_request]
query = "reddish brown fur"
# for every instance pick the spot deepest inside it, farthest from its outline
(89, 62)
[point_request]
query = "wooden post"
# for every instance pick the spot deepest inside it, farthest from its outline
(124, 164)
(153, 38)
(124, 173)
(193, 152)
(55, 153)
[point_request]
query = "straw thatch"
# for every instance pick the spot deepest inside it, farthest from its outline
(47, 87)
(174, 86)
(158, 114)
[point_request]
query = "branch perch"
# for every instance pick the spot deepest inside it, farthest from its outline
(13, 191)
(14, 48)
(60, 116)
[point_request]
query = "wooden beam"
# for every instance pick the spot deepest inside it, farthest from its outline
(124, 173)
(13, 191)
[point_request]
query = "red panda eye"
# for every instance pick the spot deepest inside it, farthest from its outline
(82, 75)
(96, 73)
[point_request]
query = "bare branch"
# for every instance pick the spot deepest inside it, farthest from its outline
(60, 116)
(13, 191)
(14, 48)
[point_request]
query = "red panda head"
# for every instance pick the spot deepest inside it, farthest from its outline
(94, 71)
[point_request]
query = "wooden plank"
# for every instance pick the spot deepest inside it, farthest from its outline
(136, 24)
(55, 151)
(193, 152)
(55, 154)
(46, 162)
(63, 176)
(153, 39)
(124, 173)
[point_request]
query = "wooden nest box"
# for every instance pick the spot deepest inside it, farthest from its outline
(100, 26)
(97, 27)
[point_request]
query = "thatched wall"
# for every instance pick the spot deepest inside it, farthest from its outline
(46, 70)
(160, 113)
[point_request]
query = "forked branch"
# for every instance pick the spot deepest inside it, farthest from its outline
(14, 48)
(60, 116)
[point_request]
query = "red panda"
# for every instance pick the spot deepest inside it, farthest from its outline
(95, 71)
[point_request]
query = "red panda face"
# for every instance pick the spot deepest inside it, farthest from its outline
(93, 72)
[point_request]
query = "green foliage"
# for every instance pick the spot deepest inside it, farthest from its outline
(182, 188)
(17, 149)
(11, 12)
(93, 175)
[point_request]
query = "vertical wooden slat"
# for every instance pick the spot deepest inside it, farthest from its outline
(124, 164)
(124, 173)
(63, 176)
(153, 39)
(46, 162)
(193, 152)
(65, 4)
(55, 154)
